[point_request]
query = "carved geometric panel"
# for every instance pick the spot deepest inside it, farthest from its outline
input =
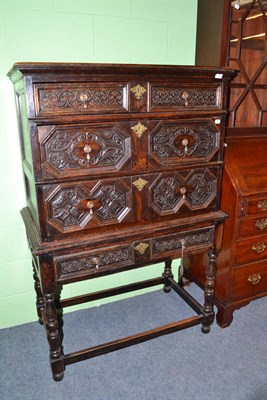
(76, 150)
(101, 203)
(195, 189)
(180, 142)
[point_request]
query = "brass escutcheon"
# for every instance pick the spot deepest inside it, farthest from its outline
(259, 247)
(138, 91)
(139, 129)
(261, 223)
(262, 205)
(140, 184)
(254, 278)
(141, 247)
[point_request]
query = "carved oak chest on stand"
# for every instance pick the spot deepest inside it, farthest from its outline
(122, 168)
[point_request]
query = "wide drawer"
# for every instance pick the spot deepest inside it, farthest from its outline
(83, 206)
(249, 280)
(252, 249)
(253, 226)
(111, 259)
(187, 96)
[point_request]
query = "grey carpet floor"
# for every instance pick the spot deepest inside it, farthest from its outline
(226, 364)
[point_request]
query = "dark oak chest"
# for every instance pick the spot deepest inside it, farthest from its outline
(122, 168)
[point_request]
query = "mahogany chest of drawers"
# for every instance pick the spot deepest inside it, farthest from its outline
(122, 167)
(242, 262)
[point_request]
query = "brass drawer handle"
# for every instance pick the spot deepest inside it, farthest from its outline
(87, 150)
(262, 205)
(259, 247)
(183, 191)
(96, 262)
(254, 278)
(185, 96)
(261, 223)
(84, 98)
(185, 144)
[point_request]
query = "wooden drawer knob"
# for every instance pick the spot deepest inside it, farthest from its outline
(254, 278)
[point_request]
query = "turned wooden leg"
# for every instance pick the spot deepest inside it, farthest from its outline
(167, 274)
(53, 337)
(40, 303)
(208, 313)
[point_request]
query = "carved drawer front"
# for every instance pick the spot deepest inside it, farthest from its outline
(192, 242)
(185, 97)
(82, 205)
(257, 206)
(84, 150)
(253, 226)
(179, 142)
(249, 280)
(80, 98)
(93, 263)
(252, 249)
(183, 192)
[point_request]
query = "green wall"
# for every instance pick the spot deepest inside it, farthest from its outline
(125, 31)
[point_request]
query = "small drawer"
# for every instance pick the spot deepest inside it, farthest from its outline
(249, 280)
(80, 98)
(252, 249)
(253, 226)
(84, 150)
(93, 263)
(173, 97)
(257, 206)
(184, 243)
(174, 143)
